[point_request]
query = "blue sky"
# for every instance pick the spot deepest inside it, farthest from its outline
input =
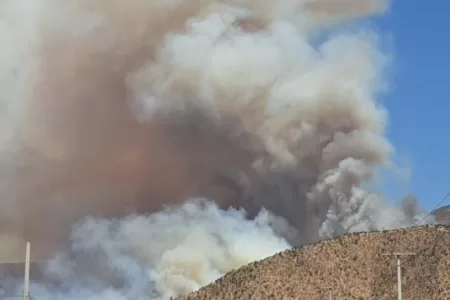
(419, 97)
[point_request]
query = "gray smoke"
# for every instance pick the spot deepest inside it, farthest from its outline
(125, 112)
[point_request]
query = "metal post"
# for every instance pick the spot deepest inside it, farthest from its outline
(26, 283)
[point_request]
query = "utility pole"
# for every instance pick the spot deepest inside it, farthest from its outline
(399, 269)
(26, 282)
(330, 292)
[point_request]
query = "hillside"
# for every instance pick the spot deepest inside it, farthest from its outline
(443, 215)
(351, 265)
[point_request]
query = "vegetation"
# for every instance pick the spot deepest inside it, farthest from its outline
(351, 266)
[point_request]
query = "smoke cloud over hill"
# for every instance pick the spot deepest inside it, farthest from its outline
(195, 135)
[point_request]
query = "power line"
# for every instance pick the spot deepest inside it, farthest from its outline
(16, 297)
(434, 209)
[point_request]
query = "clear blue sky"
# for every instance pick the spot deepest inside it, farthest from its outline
(419, 98)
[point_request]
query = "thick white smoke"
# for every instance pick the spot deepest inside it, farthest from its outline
(117, 109)
(165, 254)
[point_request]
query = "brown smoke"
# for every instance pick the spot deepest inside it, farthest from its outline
(338, 8)
(118, 117)
(84, 152)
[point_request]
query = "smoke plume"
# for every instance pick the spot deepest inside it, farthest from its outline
(128, 112)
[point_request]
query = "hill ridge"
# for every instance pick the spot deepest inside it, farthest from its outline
(324, 260)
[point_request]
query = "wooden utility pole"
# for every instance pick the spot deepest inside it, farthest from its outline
(26, 282)
(399, 269)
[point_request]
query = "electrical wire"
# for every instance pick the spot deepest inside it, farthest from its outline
(434, 209)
